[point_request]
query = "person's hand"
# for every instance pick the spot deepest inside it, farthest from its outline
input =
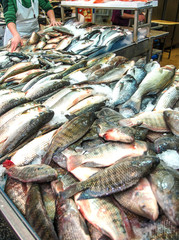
(55, 23)
(141, 18)
(15, 42)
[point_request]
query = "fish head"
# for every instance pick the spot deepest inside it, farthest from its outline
(60, 159)
(147, 164)
(149, 209)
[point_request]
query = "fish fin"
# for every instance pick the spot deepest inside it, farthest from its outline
(73, 162)
(8, 164)
(69, 191)
(87, 194)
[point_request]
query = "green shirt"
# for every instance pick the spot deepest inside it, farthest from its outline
(10, 8)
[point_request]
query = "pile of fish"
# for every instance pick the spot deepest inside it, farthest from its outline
(75, 38)
(82, 145)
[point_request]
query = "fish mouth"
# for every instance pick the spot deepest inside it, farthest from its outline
(152, 214)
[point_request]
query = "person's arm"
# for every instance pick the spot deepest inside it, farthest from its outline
(51, 16)
(16, 37)
(47, 7)
(130, 16)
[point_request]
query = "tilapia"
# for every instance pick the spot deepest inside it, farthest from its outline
(105, 154)
(155, 81)
(109, 181)
(17, 192)
(168, 98)
(70, 223)
(172, 119)
(30, 173)
(114, 132)
(164, 143)
(49, 200)
(37, 216)
(69, 133)
(151, 120)
(103, 214)
(140, 200)
(165, 186)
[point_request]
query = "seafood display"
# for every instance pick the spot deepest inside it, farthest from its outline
(80, 138)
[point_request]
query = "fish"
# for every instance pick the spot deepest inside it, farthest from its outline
(102, 213)
(70, 223)
(153, 121)
(11, 100)
(71, 69)
(28, 122)
(123, 90)
(95, 233)
(50, 46)
(49, 200)
(117, 60)
(25, 76)
(39, 90)
(40, 45)
(155, 81)
(63, 104)
(108, 181)
(57, 96)
(164, 143)
(105, 154)
(34, 38)
(113, 132)
(37, 216)
(33, 150)
(165, 186)
(86, 103)
(81, 46)
(5, 91)
(30, 173)
(140, 200)
(63, 43)
(18, 68)
(114, 74)
(34, 80)
(69, 133)
(14, 111)
(17, 192)
(172, 119)
(168, 98)
(56, 39)
(138, 73)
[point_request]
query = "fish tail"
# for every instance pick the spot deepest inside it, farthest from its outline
(70, 191)
(133, 104)
(74, 162)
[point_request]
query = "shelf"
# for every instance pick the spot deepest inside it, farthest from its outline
(110, 5)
